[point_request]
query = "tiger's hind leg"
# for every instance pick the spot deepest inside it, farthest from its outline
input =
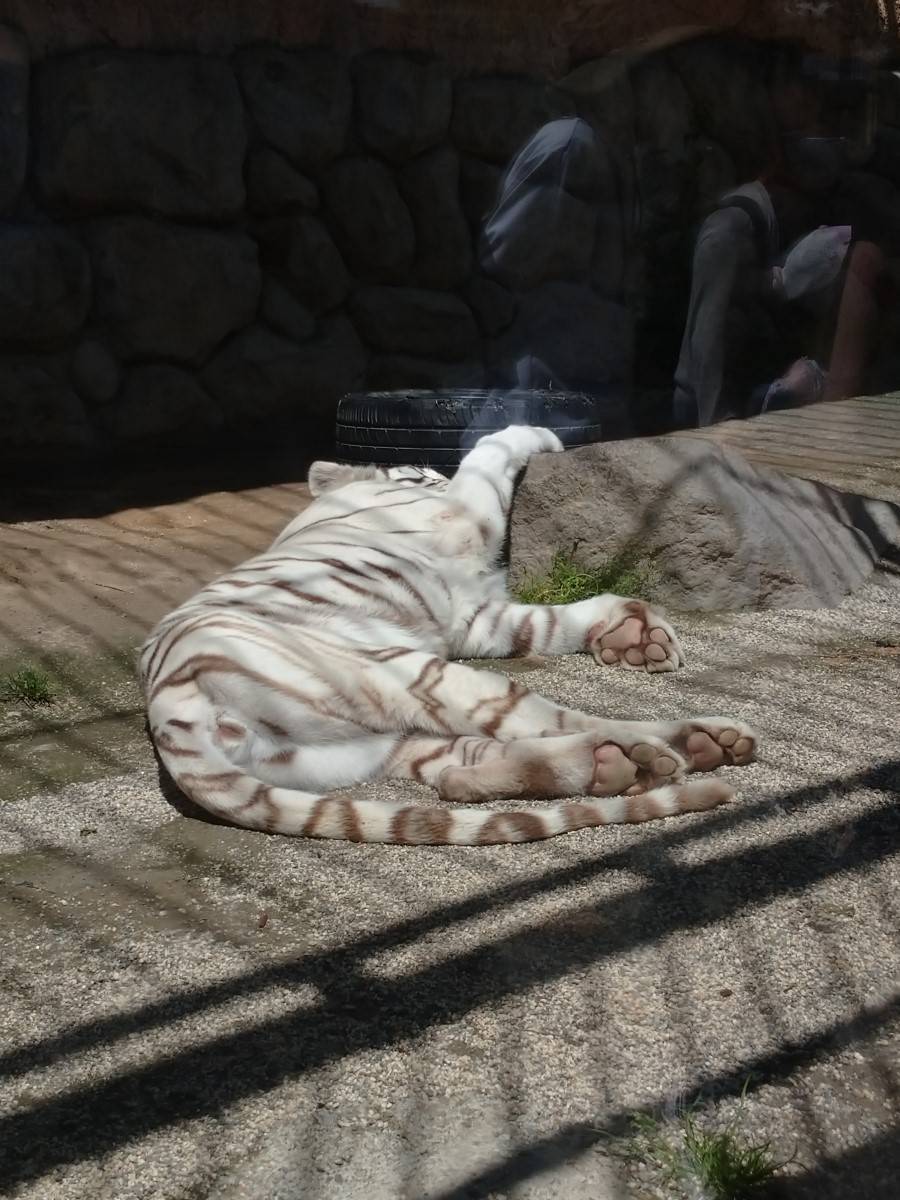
(429, 695)
(472, 770)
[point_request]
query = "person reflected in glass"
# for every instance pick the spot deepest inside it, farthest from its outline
(557, 239)
(777, 289)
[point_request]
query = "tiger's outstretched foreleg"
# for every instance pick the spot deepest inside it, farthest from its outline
(617, 631)
(487, 475)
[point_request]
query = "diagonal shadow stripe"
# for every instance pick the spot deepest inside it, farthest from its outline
(870, 1171)
(643, 856)
(366, 1013)
(574, 1139)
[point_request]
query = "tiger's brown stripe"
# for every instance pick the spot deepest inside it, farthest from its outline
(165, 741)
(217, 620)
(539, 779)
(261, 798)
(642, 808)
(207, 786)
(523, 636)
(352, 828)
(309, 828)
(477, 613)
(388, 654)
(278, 730)
(298, 593)
(514, 697)
(397, 577)
(275, 561)
(200, 664)
(194, 667)
(236, 583)
(283, 757)
(374, 699)
(170, 639)
(498, 617)
(231, 728)
(376, 597)
(581, 816)
(343, 518)
(415, 826)
(430, 702)
(501, 828)
(415, 767)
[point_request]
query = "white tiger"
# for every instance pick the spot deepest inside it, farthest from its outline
(325, 662)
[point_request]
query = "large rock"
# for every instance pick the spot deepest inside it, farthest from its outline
(14, 75)
(166, 291)
(314, 265)
(260, 375)
(430, 187)
(719, 533)
(39, 412)
(404, 105)
(159, 400)
(373, 226)
(160, 134)
(414, 321)
(301, 101)
(45, 283)
(494, 117)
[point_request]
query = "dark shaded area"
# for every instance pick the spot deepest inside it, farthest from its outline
(871, 1170)
(205, 1079)
(275, 227)
(875, 1162)
(164, 475)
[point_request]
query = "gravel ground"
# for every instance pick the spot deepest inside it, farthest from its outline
(195, 1011)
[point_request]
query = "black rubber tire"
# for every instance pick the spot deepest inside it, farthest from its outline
(436, 428)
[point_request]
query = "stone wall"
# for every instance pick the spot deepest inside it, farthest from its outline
(194, 243)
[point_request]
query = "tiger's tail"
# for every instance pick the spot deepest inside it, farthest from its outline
(205, 773)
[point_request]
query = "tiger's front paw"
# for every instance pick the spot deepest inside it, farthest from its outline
(637, 638)
(525, 440)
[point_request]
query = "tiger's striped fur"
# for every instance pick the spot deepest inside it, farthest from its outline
(326, 662)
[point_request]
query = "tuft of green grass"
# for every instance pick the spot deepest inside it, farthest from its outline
(29, 686)
(624, 574)
(704, 1163)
